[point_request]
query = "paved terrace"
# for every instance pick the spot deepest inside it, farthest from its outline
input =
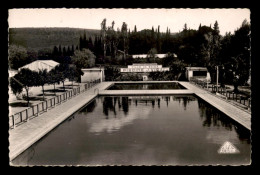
(237, 114)
(23, 136)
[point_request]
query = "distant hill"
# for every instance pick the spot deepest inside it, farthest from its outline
(46, 38)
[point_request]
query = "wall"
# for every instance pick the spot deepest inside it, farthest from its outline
(90, 75)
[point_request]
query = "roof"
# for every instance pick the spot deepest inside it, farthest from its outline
(41, 65)
(12, 72)
(93, 69)
(156, 55)
(197, 68)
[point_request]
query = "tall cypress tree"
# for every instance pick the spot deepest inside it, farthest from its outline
(72, 50)
(60, 51)
(64, 52)
(158, 40)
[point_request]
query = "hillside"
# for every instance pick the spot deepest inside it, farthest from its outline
(46, 38)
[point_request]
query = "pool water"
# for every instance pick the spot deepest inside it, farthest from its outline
(142, 130)
(145, 86)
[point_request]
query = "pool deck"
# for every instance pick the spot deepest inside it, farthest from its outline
(25, 135)
(241, 116)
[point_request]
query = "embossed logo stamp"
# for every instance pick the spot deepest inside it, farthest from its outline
(228, 148)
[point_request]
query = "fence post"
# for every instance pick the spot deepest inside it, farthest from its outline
(240, 99)
(37, 109)
(26, 114)
(21, 117)
(42, 106)
(33, 110)
(13, 121)
(249, 101)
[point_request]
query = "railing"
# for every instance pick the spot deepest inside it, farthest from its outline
(229, 95)
(35, 110)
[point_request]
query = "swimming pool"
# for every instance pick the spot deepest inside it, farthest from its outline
(142, 130)
(145, 86)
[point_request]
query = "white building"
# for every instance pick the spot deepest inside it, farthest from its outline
(144, 67)
(91, 74)
(198, 73)
(156, 55)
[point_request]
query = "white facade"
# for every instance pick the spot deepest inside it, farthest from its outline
(190, 73)
(147, 67)
(156, 55)
(92, 74)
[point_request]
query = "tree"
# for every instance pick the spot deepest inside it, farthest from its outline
(103, 36)
(185, 27)
(216, 28)
(151, 54)
(24, 78)
(16, 85)
(42, 79)
(63, 72)
(53, 77)
(158, 40)
(125, 37)
(240, 59)
(17, 56)
(83, 59)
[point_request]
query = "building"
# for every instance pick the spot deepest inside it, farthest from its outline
(156, 56)
(144, 69)
(91, 74)
(200, 73)
(41, 65)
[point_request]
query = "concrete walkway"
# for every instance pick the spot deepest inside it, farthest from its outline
(237, 114)
(23, 136)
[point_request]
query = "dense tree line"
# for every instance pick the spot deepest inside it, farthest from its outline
(202, 47)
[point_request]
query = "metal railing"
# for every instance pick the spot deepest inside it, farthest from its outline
(229, 95)
(35, 110)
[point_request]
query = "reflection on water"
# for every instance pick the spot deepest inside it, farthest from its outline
(141, 130)
(212, 117)
(145, 86)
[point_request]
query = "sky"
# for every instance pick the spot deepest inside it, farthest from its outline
(228, 19)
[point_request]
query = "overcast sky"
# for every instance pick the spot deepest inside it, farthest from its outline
(228, 19)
